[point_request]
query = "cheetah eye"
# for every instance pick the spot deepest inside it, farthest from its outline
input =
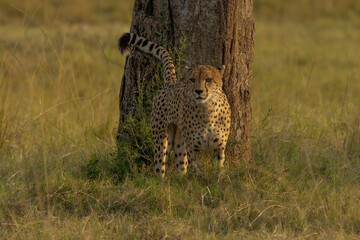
(192, 80)
(209, 80)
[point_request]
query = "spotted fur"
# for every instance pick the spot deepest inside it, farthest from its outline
(187, 117)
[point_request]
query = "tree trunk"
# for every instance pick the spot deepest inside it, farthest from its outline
(218, 32)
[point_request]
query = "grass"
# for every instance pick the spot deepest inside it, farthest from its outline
(59, 82)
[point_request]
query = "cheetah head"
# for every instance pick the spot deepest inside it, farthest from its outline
(204, 82)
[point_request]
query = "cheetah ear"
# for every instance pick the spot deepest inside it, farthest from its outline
(185, 70)
(188, 68)
(222, 70)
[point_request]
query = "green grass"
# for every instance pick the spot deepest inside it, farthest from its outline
(59, 82)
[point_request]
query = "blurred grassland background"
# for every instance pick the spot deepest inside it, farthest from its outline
(60, 76)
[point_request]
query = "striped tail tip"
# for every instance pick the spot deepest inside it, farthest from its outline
(123, 44)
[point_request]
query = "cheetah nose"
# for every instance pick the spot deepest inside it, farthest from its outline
(199, 91)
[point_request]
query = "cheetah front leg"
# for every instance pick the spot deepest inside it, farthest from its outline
(181, 161)
(192, 156)
(220, 156)
(220, 151)
(163, 140)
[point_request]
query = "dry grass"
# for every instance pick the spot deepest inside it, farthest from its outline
(59, 81)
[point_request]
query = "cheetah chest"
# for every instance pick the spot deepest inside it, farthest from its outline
(208, 138)
(204, 128)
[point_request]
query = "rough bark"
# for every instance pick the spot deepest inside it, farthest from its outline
(218, 32)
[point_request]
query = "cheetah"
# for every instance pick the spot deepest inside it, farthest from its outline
(189, 116)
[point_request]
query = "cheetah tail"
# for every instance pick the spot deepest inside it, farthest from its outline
(123, 44)
(131, 39)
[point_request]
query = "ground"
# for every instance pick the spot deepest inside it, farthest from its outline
(59, 81)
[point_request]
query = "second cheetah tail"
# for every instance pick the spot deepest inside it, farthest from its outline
(131, 39)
